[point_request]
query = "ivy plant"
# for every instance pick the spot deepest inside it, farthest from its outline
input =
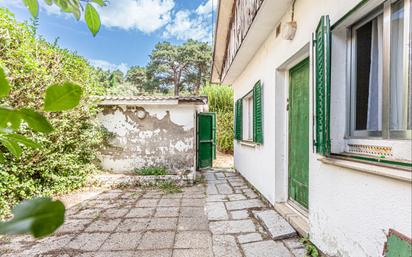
(75, 7)
(39, 216)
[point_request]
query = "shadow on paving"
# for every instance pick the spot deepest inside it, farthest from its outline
(213, 220)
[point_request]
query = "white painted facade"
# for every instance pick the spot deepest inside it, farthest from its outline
(350, 209)
(149, 134)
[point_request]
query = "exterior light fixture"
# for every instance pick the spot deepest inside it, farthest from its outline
(289, 28)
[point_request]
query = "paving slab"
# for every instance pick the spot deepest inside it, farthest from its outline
(225, 245)
(244, 204)
(157, 240)
(232, 227)
(193, 239)
(88, 241)
(121, 241)
(266, 249)
(216, 211)
(277, 226)
(248, 238)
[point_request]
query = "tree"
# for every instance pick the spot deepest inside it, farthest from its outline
(198, 71)
(116, 78)
(136, 75)
(184, 66)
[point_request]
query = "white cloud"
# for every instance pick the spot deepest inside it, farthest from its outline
(192, 24)
(105, 65)
(144, 15)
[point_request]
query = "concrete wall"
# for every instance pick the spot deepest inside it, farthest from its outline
(166, 136)
(349, 211)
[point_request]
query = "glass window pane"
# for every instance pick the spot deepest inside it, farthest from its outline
(398, 90)
(369, 45)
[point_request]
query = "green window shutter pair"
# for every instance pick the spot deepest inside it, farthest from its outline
(238, 119)
(257, 114)
(322, 45)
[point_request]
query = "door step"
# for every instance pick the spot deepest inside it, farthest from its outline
(275, 224)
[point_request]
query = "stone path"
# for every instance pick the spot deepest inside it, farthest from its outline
(224, 219)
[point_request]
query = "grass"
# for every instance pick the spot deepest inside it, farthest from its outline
(151, 171)
(311, 250)
(169, 187)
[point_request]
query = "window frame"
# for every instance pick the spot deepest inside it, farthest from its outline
(248, 116)
(386, 10)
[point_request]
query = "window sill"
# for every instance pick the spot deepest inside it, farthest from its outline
(248, 143)
(371, 168)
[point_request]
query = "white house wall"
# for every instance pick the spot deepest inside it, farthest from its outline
(349, 211)
(164, 137)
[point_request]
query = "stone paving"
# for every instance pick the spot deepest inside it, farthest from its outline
(223, 219)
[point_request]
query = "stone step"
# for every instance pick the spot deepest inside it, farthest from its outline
(275, 224)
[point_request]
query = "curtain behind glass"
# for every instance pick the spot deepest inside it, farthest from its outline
(374, 122)
(397, 85)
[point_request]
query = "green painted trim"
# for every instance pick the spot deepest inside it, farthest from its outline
(377, 160)
(351, 11)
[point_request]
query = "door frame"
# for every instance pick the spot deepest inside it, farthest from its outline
(302, 61)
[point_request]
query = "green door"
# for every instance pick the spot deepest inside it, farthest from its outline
(299, 133)
(206, 139)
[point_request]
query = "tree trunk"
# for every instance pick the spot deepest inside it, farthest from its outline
(198, 81)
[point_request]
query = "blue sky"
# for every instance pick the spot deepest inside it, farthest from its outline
(130, 28)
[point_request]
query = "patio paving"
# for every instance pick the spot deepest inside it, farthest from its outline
(214, 220)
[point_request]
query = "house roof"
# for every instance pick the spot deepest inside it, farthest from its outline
(151, 100)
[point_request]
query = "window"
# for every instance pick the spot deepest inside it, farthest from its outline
(380, 89)
(248, 117)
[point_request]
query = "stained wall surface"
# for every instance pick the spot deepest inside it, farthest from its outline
(151, 135)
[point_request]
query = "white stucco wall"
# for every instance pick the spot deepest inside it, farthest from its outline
(349, 211)
(165, 137)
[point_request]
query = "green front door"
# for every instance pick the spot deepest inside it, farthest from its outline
(299, 133)
(206, 139)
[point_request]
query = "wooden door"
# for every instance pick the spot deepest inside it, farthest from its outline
(299, 133)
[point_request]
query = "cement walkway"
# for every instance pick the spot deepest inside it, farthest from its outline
(224, 219)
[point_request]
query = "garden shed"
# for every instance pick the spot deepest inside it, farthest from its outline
(151, 131)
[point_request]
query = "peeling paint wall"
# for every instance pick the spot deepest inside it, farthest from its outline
(150, 135)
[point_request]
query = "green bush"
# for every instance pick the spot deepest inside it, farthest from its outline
(221, 102)
(151, 171)
(68, 154)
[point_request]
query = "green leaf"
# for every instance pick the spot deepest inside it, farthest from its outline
(39, 217)
(23, 140)
(33, 6)
(9, 118)
(2, 159)
(99, 2)
(92, 19)
(62, 97)
(4, 84)
(36, 121)
(49, 2)
(12, 146)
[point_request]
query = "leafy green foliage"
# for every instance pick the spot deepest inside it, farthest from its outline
(92, 19)
(39, 217)
(74, 7)
(169, 187)
(311, 250)
(4, 84)
(151, 171)
(221, 101)
(68, 153)
(180, 67)
(62, 97)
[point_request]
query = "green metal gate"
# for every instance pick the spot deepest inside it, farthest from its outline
(299, 133)
(206, 139)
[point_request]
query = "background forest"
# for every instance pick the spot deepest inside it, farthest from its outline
(69, 154)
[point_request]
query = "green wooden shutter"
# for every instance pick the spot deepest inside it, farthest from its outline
(238, 120)
(257, 114)
(322, 45)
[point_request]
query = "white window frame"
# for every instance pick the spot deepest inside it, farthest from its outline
(386, 133)
(248, 117)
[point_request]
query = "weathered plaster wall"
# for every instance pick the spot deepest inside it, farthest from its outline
(164, 137)
(349, 211)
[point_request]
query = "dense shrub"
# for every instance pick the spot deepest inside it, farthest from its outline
(221, 102)
(68, 154)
